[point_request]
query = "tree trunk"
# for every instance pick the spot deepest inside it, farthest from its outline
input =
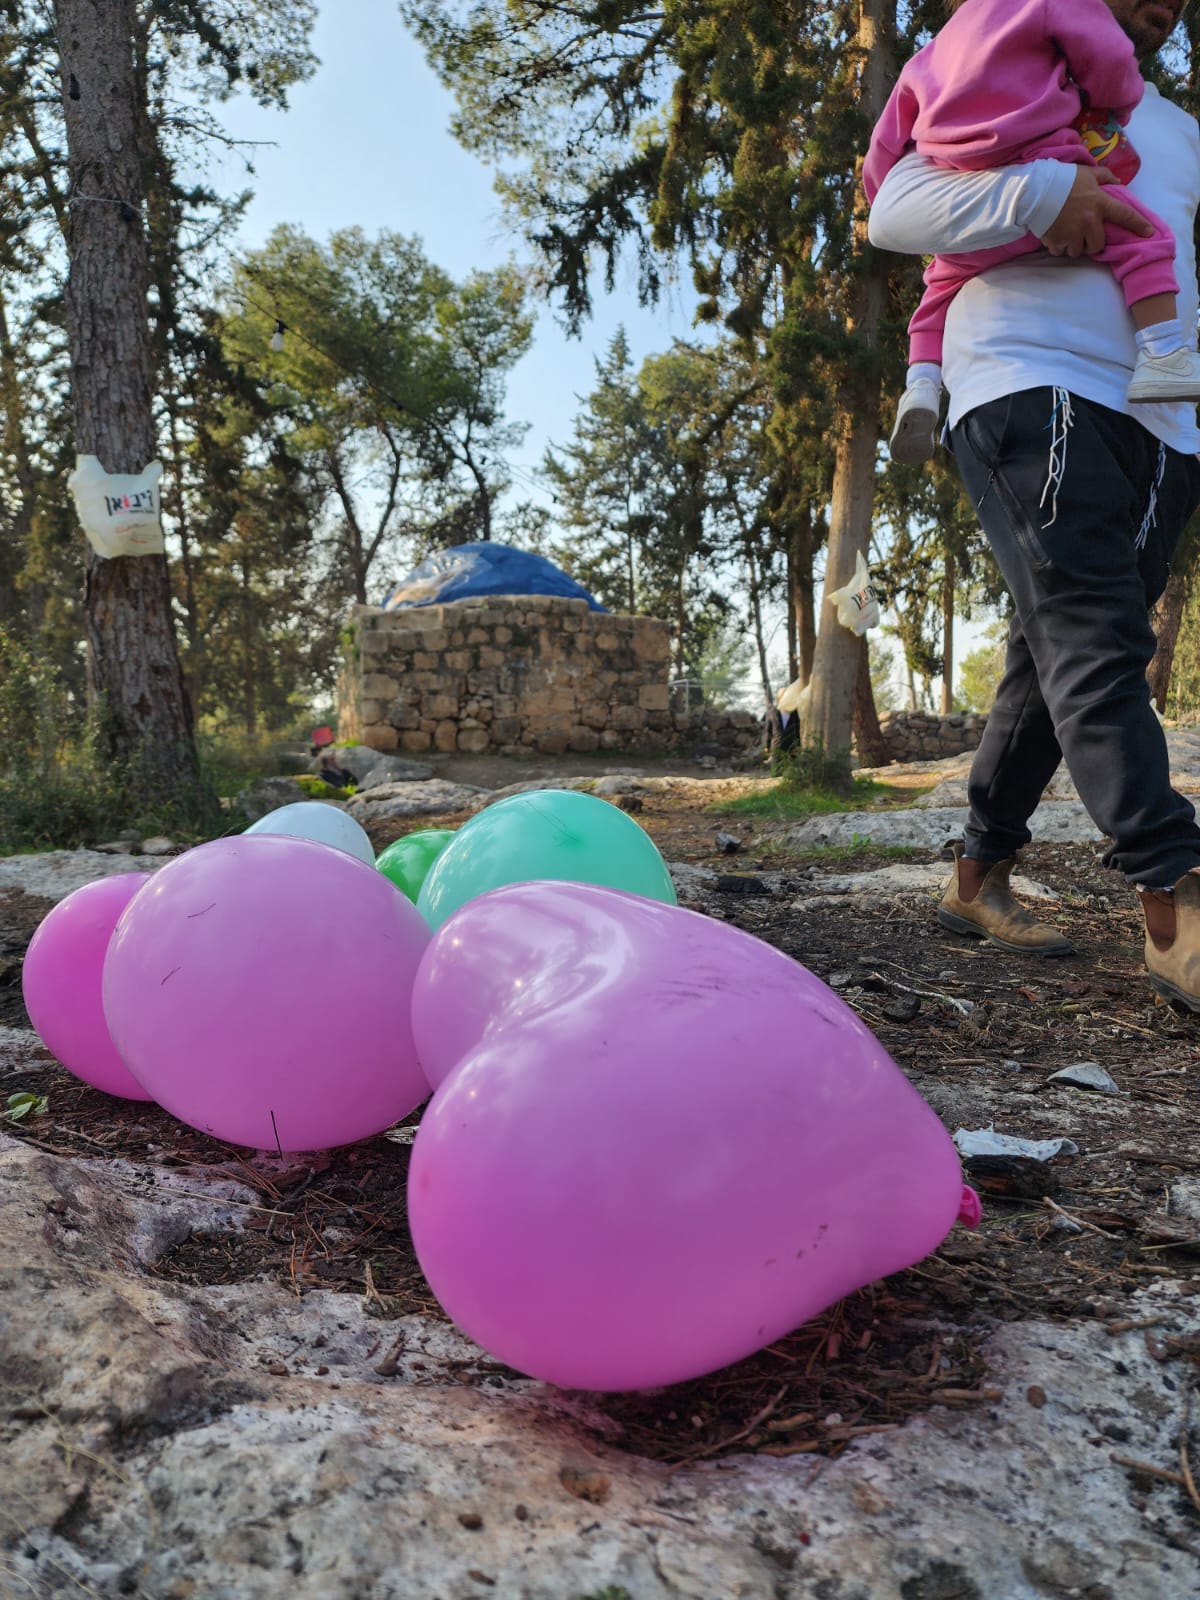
(829, 722)
(948, 635)
(1166, 616)
(869, 743)
(806, 625)
(792, 612)
(14, 554)
(134, 661)
(760, 643)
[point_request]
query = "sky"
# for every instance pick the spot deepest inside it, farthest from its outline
(366, 142)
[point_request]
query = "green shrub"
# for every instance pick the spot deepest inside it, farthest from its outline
(317, 789)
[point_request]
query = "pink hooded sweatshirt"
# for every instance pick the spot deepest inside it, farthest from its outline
(1002, 83)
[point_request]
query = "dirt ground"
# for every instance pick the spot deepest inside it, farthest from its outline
(338, 1221)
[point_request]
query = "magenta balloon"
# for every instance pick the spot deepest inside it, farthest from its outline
(261, 991)
(61, 976)
(662, 1145)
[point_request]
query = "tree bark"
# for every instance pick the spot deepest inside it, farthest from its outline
(869, 743)
(792, 613)
(829, 722)
(806, 625)
(948, 635)
(1166, 617)
(133, 657)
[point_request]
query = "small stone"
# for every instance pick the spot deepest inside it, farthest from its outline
(277, 1369)
(1086, 1075)
(840, 980)
(470, 1519)
(903, 1009)
(1183, 1200)
(585, 1484)
(159, 846)
(1036, 1396)
(521, 1512)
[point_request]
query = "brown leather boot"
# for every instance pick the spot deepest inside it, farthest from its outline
(1173, 939)
(980, 902)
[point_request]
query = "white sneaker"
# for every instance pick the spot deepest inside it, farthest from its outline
(912, 438)
(1173, 377)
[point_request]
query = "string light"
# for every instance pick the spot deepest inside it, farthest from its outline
(277, 336)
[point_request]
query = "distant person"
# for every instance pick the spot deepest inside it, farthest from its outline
(329, 772)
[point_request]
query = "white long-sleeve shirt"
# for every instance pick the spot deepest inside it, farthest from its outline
(1043, 320)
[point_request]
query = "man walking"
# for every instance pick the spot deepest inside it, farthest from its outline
(1083, 500)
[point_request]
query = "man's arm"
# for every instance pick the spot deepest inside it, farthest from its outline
(923, 209)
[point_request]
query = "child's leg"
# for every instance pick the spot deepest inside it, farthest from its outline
(1143, 267)
(1165, 369)
(912, 439)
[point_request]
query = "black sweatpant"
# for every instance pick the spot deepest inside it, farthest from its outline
(1083, 509)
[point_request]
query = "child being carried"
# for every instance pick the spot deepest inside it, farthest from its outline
(1010, 81)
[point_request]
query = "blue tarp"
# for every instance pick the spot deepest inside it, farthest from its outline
(465, 571)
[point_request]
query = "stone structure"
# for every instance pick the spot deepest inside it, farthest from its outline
(918, 736)
(514, 674)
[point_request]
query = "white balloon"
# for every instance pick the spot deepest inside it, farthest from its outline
(312, 819)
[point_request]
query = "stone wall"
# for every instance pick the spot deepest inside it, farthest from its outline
(512, 674)
(918, 736)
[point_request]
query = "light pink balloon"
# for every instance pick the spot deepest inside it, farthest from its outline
(60, 981)
(261, 990)
(658, 1144)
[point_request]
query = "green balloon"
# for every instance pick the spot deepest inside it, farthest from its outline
(546, 833)
(407, 862)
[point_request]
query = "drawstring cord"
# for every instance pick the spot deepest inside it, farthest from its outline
(1062, 420)
(1151, 516)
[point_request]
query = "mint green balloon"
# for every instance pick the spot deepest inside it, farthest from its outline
(407, 862)
(546, 833)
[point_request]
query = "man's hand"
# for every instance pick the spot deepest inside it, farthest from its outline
(1078, 230)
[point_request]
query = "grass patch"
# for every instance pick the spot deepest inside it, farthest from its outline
(316, 788)
(789, 802)
(859, 845)
(63, 805)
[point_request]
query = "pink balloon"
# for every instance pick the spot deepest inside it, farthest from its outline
(658, 1144)
(261, 991)
(60, 981)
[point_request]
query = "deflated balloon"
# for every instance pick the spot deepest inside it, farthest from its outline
(657, 1144)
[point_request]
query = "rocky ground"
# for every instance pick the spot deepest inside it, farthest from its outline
(223, 1373)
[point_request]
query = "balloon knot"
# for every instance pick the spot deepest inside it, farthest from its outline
(970, 1209)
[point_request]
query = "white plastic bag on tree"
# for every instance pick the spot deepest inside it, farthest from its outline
(857, 607)
(120, 511)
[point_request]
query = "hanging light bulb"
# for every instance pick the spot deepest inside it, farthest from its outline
(277, 337)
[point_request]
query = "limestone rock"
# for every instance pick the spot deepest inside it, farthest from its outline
(393, 769)
(412, 799)
(57, 873)
(183, 1443)
(1053, 822)
(268, 795)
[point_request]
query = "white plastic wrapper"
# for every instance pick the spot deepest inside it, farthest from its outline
(857, 607)
(120, 511)
(987, 1142)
